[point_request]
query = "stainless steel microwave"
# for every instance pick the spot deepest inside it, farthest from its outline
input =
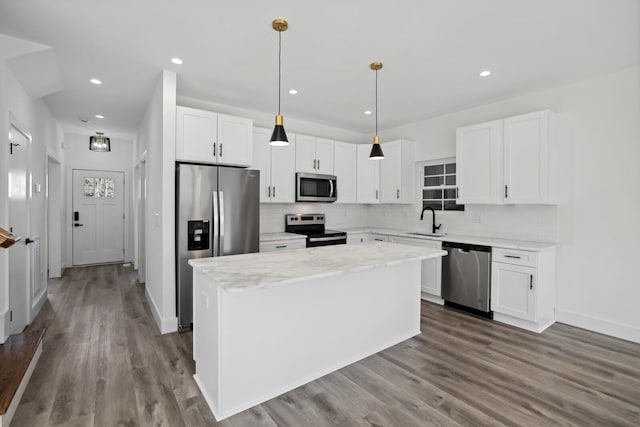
(311, 187)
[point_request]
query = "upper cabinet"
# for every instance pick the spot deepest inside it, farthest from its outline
(529, 158)
(397, 172)
(207, 137)
(479, 163)
(368, 176)
(277, 167)
(345, 169)
(510, 161)
(314, 155)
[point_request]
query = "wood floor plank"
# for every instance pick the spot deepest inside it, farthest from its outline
(104, 363)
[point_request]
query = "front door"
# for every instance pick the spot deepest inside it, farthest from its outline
(19, 197)
(98, 217)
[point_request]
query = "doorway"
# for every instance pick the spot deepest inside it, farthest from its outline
(141, 204)
(55, 223)
(19, 223)
(98, 217)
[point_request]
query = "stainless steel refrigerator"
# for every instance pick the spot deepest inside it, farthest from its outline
(217, 214)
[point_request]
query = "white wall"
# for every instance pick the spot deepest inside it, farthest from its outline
(32, 116)
(596, 220)
(156, 137)
(78, 156)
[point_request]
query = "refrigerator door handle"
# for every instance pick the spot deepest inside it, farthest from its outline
(214, 235)
(221, 223)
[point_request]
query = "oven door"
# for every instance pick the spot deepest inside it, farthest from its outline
(326, 241)
(316, 188)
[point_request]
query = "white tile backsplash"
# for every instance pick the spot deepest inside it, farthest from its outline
(336, 215)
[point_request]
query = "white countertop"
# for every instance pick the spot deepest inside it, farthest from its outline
(275, 237)
(258, 270)
(459, 238)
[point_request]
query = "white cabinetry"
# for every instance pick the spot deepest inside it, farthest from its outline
(345, 170)
(368, 172)
(523, 288)
(277, 168)
(379, 237)
(208, 137)
(510, 161)
(314, 155)
(529, 158)
(356, 238)
(397, 172)
(431, 276)
(281, 245)
(479, 163)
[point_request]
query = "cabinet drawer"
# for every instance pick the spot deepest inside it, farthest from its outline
(379, 238)
(282, 245)
(514, 256)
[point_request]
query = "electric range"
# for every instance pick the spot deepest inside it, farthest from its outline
(312, 226)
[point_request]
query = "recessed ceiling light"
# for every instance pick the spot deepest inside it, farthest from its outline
(368, 113)
(485, 73)
(96, 81)
(99, 116)
(293, 91)
(176, 61)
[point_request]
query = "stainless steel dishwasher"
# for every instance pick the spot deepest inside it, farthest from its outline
(466, 277)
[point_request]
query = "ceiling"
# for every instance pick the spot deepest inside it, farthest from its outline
(432, 52)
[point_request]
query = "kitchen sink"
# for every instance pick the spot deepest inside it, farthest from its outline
(429, 234)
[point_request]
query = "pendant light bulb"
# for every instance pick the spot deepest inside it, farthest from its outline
(376, 149)
(279, 136)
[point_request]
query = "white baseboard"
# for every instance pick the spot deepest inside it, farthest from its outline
(5, 420)
(37, 305)
(618, 330)
(431, 298)
(166, 325)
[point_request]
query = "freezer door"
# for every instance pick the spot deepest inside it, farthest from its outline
(239, 202)
(195, 231)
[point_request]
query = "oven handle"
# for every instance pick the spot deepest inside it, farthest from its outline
(331, 191)
(326, 239)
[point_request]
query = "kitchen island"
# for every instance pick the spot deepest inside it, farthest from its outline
(267, 323)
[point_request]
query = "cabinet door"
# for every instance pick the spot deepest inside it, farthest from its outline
(379, 238)
(391, 172)
(282, 245)
(431, 273)
(196, 135)
(513, 290)
(526, 158)
(368, 173)
(345, 170)
(306, 154)
(262, 161)
(234, 140)
(353, 239)
(283, 172)
(324, 156)
(479, 158)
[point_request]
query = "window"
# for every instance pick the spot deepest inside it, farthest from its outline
(439, 185)
(99, 187)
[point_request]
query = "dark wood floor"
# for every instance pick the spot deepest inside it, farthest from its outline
(105, 364)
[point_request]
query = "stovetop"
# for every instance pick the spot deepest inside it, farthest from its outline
(311, 225)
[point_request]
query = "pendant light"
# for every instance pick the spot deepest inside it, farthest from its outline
(279, 136)
(376, 150)
(99, 142)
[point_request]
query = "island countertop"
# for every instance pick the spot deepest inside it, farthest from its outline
(259, 270)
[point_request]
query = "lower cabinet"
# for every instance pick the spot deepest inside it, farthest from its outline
(523, 288)
(431, 268)
(281, 245)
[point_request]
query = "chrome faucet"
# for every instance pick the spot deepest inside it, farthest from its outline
(434, 227)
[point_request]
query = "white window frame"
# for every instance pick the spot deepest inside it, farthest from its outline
(420, 180)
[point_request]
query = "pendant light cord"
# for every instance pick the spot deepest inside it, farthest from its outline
(279, 67)
(376, 102)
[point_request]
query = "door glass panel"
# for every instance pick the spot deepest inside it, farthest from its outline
(99, 188)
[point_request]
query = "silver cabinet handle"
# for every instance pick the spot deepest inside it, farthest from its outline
(269, 190)
(376, 194)
(531, 281)
(281, 246)
(318, 163)
(314, 163)
(221, 223)
(397, 193)
(214, 149)
(457, 192)
(506, 191)
(221, 149)
(512, 256)
(274, 191)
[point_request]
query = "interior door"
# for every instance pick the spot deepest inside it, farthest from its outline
(98, 217)
(19, 196)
